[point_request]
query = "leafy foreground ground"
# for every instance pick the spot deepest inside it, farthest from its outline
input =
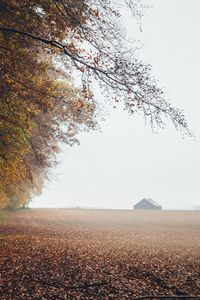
(98, 254)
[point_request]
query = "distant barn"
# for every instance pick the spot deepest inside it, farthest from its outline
(147, 204)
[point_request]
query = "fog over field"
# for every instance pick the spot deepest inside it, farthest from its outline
(126, 162)
(119, 217)
(99, 254)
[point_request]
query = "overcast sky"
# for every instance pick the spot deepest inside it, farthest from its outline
(126, 162)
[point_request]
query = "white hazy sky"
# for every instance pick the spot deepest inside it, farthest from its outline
(126, 162)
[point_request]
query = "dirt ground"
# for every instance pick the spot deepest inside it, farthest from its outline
(98, 254)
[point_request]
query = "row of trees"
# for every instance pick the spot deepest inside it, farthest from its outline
(52, 53)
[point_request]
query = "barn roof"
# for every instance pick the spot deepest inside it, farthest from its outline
(150, 201)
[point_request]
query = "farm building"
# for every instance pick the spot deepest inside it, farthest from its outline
(147, 204)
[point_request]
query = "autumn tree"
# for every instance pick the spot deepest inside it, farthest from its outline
(53, 54)
(38, 109)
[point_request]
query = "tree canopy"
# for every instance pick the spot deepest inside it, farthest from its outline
(53, 54)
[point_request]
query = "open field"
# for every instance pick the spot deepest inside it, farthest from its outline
(98, 254)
